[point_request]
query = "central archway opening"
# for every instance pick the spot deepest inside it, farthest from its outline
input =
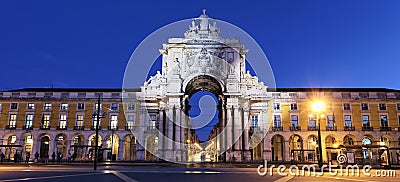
(203, 107)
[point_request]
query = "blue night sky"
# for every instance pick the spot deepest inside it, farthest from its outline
(309, 43)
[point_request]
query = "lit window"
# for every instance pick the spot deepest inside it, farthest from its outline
(13, 120)
(46, 121)
(79, 120)
(114, 122)
(63, 121)
(94, 122)
(130, 121)
(96, 106)
(29, 120)
(64, 106)
(47, 106)
(31, 106)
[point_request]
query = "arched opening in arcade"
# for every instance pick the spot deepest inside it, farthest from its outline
(92, 145)
(312, 145)
(78, 148)
(256, 148)
(296, 148)
(61, 142)
(28, 144)
(277, 148)
(44, 146)
(11, 147)
(203, 106)
(129, 147)
(151, 148)
(332, 148)
(112, 147)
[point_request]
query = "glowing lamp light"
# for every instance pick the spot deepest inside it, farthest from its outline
(317, 106)
(335, 145)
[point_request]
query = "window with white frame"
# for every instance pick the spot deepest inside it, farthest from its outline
(13, 120)
(153, 119)
(64, 106)
(81, 106)
(14, 106)
(382, 107)
(46, 121)
(294, 120)
(30, 106)
(79, 120)
(365, 121)
(47, 106)
(131, 106)
(254, 121)
(94, 122)
(277, 106)
(330, 121)
(29, 120)
(346, 106)
(364, 107)
(63, 121)
(114, 106)
(96, 106)
(130, 121)
(114, 122)
(293, 106)
(277, 121)
(312, 122)
(384, 121)
(347, 121)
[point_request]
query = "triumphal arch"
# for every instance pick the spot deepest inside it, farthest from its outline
(202, 61)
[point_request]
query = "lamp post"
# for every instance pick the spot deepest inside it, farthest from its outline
(97, 116)
(318, 107)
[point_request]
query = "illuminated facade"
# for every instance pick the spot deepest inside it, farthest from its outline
(260, 123)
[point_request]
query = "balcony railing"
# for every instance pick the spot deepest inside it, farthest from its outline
(349, 128)
(28, 127)
(79, 128)
(94, 128)
(129, 127)
(45, 127)
(386, 128)
(11, 127)
(331, 128)
(367, 128)
(277, 128)
(61, 127)
(295, 128)
(113, 128)
(312, 128)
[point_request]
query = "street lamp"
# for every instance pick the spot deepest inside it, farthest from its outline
(317, 108)
(97, 116)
